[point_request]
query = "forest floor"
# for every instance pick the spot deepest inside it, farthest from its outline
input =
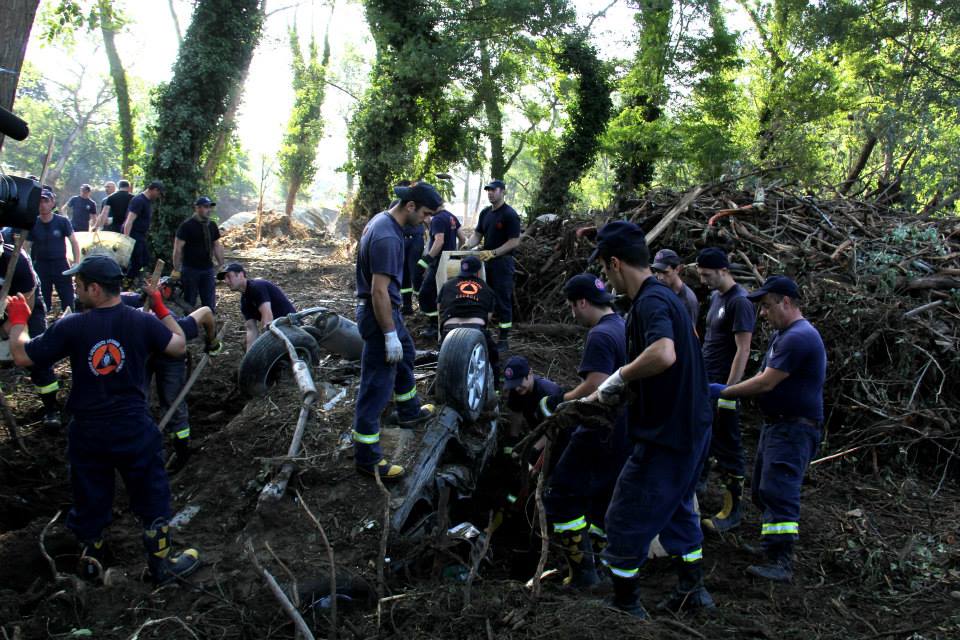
(878, 558)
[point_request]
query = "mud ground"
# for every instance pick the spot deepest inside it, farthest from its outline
(878, 556)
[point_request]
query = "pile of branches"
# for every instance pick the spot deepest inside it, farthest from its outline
(275, 229)
(880, 283)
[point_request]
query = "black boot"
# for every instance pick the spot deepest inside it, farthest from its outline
(90, 565)
(181, 454)
(780, 562)
(728, 517)
(579, 554)
(625, 597)
(161, 566)
(51, 411)
(689, 594)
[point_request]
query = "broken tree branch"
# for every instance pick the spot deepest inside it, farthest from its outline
(298, 622)
(330, 558)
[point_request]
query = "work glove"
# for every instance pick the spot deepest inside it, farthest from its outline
(156, 304)
(612, 390)
(174, 277)
(213, 348)
(715, 389)
(394, 348)
(422, 262)
(18, 312)
(551, 402)
(486, 255)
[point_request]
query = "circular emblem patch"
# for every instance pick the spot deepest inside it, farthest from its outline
(106, 357)
(508, 372)
(598, 283)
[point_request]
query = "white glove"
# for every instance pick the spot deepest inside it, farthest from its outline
(394, 348)
(611, 391)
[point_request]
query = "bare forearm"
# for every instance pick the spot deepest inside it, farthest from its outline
(437, 246)
(655, 359)
(218, 253)
(19, 337)
(383, 309)
(507, 246)
(738, 366)
(473, 241)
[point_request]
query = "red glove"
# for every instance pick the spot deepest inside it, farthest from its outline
(156, 305)
(18, 312)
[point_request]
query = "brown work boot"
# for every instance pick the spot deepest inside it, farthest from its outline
(388, 472)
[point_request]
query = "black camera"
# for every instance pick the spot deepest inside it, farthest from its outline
(19, 197)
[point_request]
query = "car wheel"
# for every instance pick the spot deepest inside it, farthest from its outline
(267, 361)
(463, 372)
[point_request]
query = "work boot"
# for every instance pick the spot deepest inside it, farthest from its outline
(388, 472)
(780, 565)
(579, 554)
(163, 568)
(90, 564)
(51, 411)
(625, 597)
(728, 517)
(426, 412)
(689, 594)
(181, 454)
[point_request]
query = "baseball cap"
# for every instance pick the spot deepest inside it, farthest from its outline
(156, 184)
(618, 234)
(233, 267)
(587, 286)
(495, 184)
(665, 258)
(516, 370)
(425, 195)
(776, 284)
(47, 193)
(97, 267)
(204, 201)
(713, 258)
(470, 264)
(84, 187)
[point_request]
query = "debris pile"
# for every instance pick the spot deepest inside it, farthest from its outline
(880, 283)
(276, 229)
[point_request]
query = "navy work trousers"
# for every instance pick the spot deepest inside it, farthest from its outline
(412, 272)
(378, 381)
(97, 450)
(140, 257)
(783, 455)
(170, 375)
(500, 278)
(654, 495)
(428, 290)
(726, 446)
(202, 282)
(51, 276)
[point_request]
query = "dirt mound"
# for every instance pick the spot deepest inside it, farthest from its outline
(275, 229)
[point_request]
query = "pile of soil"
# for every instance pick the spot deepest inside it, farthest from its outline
(276, 229)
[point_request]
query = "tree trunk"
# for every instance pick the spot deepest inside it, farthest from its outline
(292, 189)
(494, 114)
(176, 22)
(859, 165)
(16, 20)
(108, 28)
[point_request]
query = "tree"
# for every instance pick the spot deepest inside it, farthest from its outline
(16, 21)
(109, 26)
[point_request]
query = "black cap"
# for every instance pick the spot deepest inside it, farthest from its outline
(423, 194)
(618, 234)
(233, 267)
(46, 192)
(586, 286)
(776, 284)
(665, 258)
(515, 371)
(156, 184)
(471, 265)
(204, 201)
(97, 267)
(495, 184)
(713, 258)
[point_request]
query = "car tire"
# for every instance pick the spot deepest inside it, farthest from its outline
(463, 373)
(267, 360)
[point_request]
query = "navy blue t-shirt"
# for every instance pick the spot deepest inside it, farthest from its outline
(799, 351)
(605, 349)
(498, 225)
(119, 203)
(108, 350)
(672, 408)
(528, 404)
(81, 210)
(381, 251)
(143, 208)
(730, 313)
(689, 299)
(446, 223)
(260, 291)
(47, 240)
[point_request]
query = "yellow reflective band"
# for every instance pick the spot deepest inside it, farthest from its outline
(183, 434)
(511, 498)
(693, 556)
(406, 290)
(50, 388)
(366, 439)
(597, 531)
(622, 573)
(774, 528)
(577, 524)
(403, 397)
(432, 314)
(727, 404)
(544, 409)
(506, 325)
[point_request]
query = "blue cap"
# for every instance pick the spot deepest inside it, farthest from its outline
(423, 194)
(618, 234)
(204, 201)
(233, 267)
(46, 192)
(776, 284)
(586, 286)
(713, 258)
(97, 267)
(471, 265)
(495, 184)
(515, 371)
(665, 259)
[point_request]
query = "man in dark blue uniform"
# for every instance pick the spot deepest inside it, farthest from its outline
(526, 393)
(45, 244)
(137, 226)
(445, 230)
(82, 209)
(111, 430)
(726, 350)
(668, 267)
(196, 251)
(499, 230)
(789, 390)
(388, 351)
(412, 271)
(261, 301)
(582, 482)
(114, 211)
(668, 420)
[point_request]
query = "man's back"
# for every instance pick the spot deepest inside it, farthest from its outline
(118, 202)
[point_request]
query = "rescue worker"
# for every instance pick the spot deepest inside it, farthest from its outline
(726, 351)
(113, 213)
(45, 244)
(498, 228)
(111, 430)
(388, 350)
(445, 231)
(83, 210)
(196, 251)
(412, 271)
(109, 188)
(582, 482)
(789, 391)
(668, 422)
(137, 226)
(261, 301)
(468, 301)
(667, 267)
(527, 393)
